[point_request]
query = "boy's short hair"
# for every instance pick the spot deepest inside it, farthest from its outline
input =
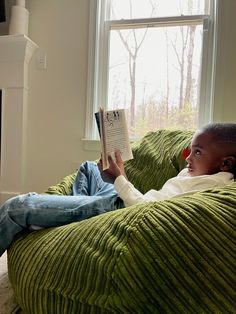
(223, 132)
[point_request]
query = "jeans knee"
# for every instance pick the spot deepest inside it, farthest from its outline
(17, 201)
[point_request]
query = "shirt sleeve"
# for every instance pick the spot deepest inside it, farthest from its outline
(130, 195)
(180, 185)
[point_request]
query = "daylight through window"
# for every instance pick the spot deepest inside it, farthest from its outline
(150, 61)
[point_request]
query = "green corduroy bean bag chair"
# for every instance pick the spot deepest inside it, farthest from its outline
(174, 256)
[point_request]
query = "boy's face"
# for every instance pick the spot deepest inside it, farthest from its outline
(205, 157)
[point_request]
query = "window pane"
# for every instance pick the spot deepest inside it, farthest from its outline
(133, 9)
(154, 74)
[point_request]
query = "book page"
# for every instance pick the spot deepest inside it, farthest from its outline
(114, 135)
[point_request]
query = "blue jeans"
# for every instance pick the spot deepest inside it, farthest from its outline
(91, 196)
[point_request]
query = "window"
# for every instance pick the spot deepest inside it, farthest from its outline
(154, 58)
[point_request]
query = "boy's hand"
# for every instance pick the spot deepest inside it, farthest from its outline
(116, 168)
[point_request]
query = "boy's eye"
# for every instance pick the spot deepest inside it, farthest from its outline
(197, 152)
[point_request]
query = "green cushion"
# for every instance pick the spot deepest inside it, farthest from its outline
(157, 158)
(175, 256)
(64, 187)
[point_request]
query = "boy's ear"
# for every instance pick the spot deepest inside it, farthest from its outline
(228, 163)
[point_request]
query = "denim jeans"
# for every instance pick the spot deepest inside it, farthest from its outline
(91, 196)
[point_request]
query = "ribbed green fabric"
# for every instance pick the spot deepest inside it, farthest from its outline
(157, 158)
(175, 256)
(64, 187)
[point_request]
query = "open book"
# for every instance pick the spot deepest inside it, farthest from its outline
(113, 131)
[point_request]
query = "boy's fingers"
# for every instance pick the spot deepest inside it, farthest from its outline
(110, 160)
(99, 164)
(117, 153)
(109, 157)
(118, 157)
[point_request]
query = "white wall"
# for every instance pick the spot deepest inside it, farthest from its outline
(57, 95)
(225, 89)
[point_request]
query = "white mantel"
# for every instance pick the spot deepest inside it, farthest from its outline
(15, 54)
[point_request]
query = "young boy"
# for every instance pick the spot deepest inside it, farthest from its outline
(211, 163)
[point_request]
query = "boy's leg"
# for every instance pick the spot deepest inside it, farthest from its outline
(48, 211)
(89, 182)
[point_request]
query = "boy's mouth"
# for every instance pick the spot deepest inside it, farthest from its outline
(190, 168)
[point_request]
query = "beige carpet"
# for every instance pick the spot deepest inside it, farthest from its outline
(8, 304)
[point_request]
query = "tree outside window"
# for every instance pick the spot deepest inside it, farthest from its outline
(155, 58)
(154, 72)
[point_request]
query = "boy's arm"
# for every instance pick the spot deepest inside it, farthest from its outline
(116, 168)
(127, 192)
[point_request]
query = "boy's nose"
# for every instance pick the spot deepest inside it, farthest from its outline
(188, 158)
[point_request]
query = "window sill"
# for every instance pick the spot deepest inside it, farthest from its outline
(91, 145)
(95, 146)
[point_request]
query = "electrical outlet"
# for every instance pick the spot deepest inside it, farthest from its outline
(41, 60)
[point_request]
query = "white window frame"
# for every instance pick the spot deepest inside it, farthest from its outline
(98, 55)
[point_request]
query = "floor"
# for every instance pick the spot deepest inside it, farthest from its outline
(8, 304)
(3, 264)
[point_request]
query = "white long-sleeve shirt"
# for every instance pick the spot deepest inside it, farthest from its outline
(177, 186)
